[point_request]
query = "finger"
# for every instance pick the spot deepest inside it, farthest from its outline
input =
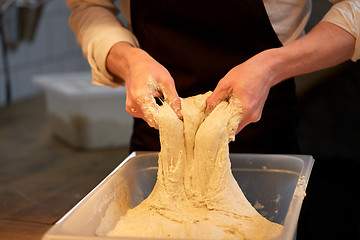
(149, 110)
(175, 104)
(133, 110)
(219, 95)
(236, 116)
(171, 96)
(150, 119)
(144, 108)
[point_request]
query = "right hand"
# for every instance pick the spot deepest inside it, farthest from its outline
(145, 80)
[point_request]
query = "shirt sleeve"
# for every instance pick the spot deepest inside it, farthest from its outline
(97, 29)
(346, 14)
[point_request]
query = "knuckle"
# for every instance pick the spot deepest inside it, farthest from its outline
(130, 108)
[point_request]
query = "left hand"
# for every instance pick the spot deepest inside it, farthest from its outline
(248, 84)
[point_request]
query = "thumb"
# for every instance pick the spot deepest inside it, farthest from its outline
(172, 98)
(216, 97)
(175, 104)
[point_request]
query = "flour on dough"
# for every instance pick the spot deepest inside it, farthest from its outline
(196, 195)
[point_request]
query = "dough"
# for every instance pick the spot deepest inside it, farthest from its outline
(196, 195)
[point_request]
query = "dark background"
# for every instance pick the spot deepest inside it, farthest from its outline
(329, 108)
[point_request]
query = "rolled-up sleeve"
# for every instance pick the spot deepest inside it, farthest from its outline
(346, 14)
(97, 29)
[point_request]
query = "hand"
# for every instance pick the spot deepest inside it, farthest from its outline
(145, 80)
(248, 85)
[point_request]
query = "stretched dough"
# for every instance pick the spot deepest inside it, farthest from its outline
(196, 195)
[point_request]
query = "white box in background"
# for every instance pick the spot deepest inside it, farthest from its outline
(85, 115)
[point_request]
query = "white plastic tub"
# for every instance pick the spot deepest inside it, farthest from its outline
(85, 115)
(274, 184)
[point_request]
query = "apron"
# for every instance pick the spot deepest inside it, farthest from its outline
(198, 42)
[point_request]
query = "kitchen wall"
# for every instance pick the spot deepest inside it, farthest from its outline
(54, 49)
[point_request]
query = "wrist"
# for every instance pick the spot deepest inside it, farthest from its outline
(272, 62)
(117, 60)
(283, 64)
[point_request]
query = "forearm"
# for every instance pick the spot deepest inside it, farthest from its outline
(326, 45)
(97, 29)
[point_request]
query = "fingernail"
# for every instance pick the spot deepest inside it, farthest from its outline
(179, 114)
(152, 123)
(209, 108)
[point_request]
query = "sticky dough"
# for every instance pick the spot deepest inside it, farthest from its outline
(196, 195)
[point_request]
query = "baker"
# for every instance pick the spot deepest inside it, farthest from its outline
(249, 50)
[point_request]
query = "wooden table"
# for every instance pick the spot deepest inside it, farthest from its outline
(42, 178)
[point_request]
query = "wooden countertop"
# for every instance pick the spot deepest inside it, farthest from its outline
(42, 178)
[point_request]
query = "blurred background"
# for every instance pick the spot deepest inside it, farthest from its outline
(38, 41)
(37, 45)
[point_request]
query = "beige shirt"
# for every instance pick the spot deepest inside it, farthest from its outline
(97, 27)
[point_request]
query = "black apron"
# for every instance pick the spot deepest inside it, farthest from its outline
(199, 41)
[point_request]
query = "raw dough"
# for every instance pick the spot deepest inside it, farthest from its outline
(196, 195)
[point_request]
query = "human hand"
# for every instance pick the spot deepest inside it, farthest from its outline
(247, 85)
(326, 45)
(145, 80)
